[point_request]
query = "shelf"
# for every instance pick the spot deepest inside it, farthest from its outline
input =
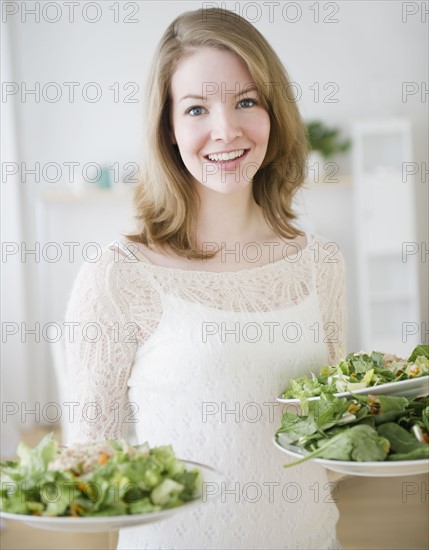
(387, 281)
(65, 193)
(68, 194)
(344, 181)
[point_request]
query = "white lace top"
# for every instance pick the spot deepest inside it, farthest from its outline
(196, 359)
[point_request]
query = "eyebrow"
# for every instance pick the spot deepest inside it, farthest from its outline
(244, 92)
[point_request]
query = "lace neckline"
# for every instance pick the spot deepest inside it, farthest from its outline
(289, 260)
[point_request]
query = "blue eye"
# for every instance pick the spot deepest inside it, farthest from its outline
(247, 100)
(195, 111)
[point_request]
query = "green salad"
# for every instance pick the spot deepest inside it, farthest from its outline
(95, 479)
(362, 429)
(358, 371)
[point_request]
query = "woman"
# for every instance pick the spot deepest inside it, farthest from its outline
(218, 299)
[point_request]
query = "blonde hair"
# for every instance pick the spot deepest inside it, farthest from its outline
(166, 204)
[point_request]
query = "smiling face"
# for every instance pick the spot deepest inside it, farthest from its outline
(219, 125)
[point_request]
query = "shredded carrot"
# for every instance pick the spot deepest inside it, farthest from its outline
(75, 509)
(353, 407)
(82, 487)
(103, 458)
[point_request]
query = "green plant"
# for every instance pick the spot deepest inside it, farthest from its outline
(325, 140)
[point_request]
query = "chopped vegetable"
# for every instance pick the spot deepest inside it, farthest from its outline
(358, 371)
(95, 479)
(365, 428)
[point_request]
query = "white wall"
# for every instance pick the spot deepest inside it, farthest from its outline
(14, 357)
(367, 55)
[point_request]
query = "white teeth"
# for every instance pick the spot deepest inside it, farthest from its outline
(226, 156)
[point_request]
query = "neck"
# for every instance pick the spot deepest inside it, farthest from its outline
(229, 218)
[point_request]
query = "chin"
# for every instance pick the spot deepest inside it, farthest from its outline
(226, 188)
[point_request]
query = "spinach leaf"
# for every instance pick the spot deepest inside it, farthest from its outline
(417, 454)
(297, 427)
(359, 443)
(366, 428)
(328, 410)
(425, 418)
(391, 407)
(384, 408)
(401, 440)
(362, 442)
(322, 415)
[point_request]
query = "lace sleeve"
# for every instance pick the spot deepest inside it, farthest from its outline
(331, 286)
(100, 354)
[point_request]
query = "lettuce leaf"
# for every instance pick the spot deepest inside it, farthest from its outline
(419, 351)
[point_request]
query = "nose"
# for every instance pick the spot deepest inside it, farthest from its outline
(225, 126)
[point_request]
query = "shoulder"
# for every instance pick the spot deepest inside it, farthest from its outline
(110, 262)
(110, 274)
(114, 288)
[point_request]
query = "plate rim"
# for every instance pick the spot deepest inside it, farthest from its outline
(363, 468)
(363, 391)
(132, 519)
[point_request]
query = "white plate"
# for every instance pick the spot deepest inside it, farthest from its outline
(212, 480)
(367, 469)
(415, 387)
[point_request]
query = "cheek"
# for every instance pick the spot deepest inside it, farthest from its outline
(187, 136)
(259, 129)
(265, 127)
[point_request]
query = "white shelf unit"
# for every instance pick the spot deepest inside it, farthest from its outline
(384, 209)
(83, 218)
(65, 193)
